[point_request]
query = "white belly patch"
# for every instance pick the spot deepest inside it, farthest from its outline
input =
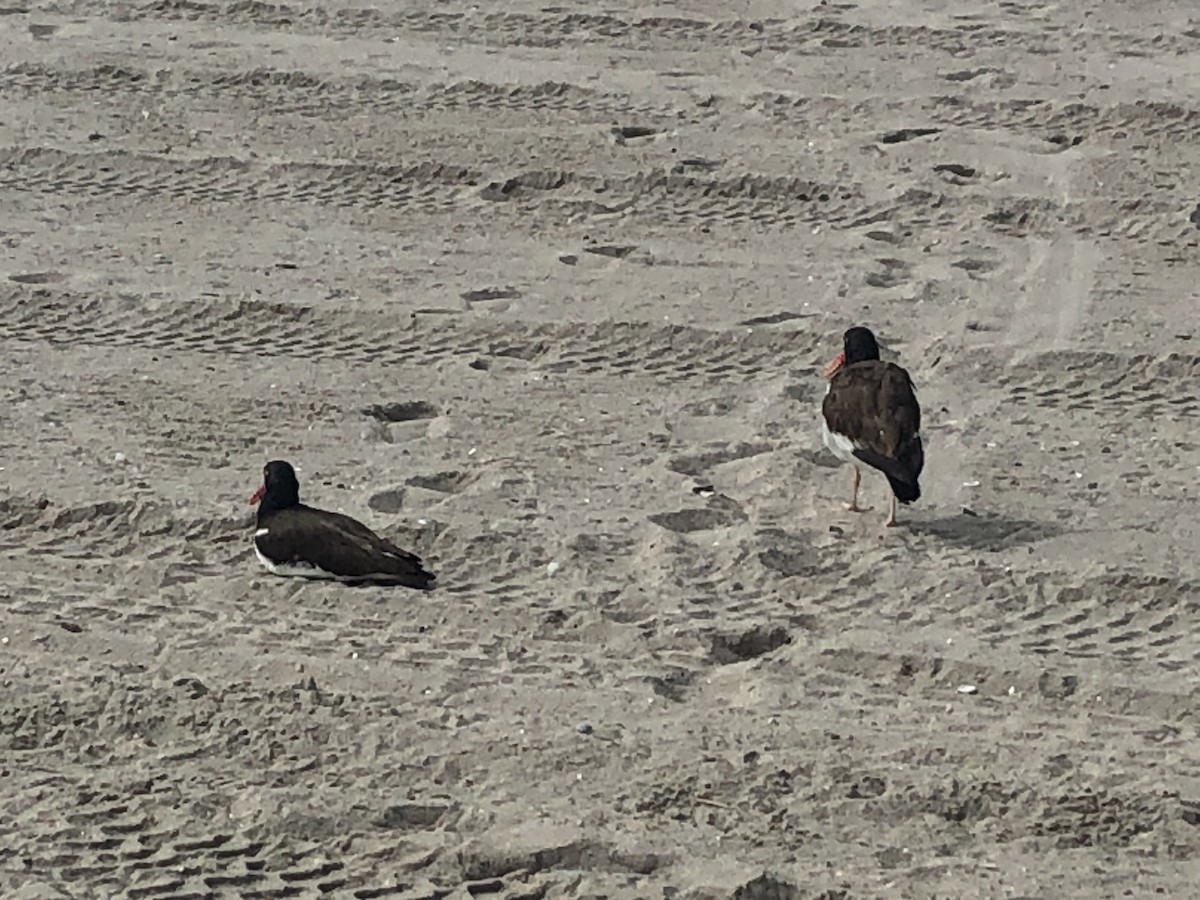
(839, 445)
(294, 570)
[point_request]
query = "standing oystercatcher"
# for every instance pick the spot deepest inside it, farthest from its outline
(871, 415)
(296, 540)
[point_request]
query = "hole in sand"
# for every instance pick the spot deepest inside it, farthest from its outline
(442, 482)
(734, 648)
(390, 502)
(485, 294)
(37, 277)
(401, 412)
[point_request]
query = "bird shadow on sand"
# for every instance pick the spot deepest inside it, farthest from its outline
(294, 586)
(983, 531)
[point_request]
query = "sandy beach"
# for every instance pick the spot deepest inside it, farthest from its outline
(542, 293)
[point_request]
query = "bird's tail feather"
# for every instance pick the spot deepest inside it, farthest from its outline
(906, 492)
(904, 479)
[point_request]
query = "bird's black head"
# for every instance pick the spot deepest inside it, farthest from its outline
(279, 490)
(858, 344)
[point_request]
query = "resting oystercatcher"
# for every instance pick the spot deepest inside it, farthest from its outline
(296, 540)
(872, 416)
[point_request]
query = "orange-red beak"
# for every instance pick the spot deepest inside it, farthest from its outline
(834, 364)
(258, 495)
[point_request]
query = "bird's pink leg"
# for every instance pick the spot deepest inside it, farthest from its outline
(853, 506)
(892, 518)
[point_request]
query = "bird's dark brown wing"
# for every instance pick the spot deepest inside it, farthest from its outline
(341, 546)
(873, 403)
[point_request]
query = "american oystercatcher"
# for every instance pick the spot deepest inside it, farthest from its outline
(871, 415)
(296, 540)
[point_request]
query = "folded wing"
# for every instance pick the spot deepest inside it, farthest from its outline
(341, 546)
